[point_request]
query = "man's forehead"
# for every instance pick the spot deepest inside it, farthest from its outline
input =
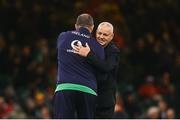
(105, 26)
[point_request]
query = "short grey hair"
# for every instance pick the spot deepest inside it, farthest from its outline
(107, 24)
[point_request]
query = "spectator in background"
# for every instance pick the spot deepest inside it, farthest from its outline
(119, 111)
(149, 88)
(153, 113)
(131, 104)
(163, 106)
(176, 78)
(170, 113)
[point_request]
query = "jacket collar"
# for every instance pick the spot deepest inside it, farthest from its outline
(84, 31)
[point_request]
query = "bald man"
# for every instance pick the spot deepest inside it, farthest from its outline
(107, 69)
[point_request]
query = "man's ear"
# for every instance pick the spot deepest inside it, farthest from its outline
(112, 36)
(76, 26)
(91, 27)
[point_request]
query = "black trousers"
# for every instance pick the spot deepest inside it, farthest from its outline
(105, 113)
(69, 104)
(105, 104)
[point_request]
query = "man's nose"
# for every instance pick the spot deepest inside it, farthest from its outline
(101, 36)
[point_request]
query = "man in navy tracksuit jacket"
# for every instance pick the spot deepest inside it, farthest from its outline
(76, 90)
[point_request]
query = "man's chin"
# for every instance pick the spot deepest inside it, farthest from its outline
(102, 44)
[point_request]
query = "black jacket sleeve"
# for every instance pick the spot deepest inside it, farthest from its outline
(111, 60)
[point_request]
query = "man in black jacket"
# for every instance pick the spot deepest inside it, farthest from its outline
(106, 70)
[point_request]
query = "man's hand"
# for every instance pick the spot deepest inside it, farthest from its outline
(81, 50)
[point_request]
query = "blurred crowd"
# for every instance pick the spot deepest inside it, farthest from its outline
(147, 33)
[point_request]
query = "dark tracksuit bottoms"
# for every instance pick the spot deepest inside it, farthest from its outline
(70, 100)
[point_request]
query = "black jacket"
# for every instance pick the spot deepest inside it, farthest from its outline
(106, 74)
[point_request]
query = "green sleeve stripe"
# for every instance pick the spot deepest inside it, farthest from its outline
(70, 86)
